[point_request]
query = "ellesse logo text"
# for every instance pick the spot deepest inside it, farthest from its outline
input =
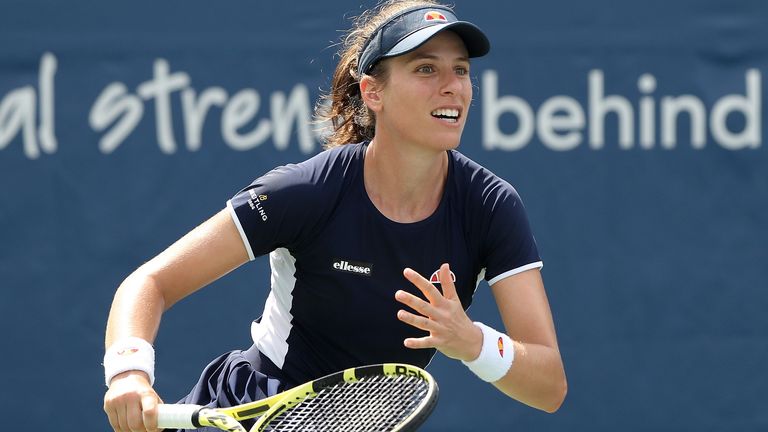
(363, 269)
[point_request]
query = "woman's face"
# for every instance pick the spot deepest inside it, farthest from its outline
(426, 97)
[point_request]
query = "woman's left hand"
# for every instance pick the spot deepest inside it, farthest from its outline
(450, 329)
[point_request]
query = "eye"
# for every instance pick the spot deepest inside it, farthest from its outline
(425, 69)
(462, 70)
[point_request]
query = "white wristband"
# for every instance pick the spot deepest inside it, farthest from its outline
(495, 357)
(131, 353)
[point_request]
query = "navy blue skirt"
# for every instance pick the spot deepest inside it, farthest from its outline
(235, 378)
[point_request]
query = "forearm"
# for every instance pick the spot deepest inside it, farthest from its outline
(536, 377)
(136, 309)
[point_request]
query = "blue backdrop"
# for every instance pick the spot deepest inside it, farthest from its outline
(633, 131)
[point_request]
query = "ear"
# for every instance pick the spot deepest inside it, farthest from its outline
(370, 93)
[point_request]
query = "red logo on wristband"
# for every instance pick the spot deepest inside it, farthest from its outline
(127, 351)
(500, 344)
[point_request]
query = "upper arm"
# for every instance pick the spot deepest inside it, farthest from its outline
(206, 253)
(507, 244)
(524, 308)
(285, 207)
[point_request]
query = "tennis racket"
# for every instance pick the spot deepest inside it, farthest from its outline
(376, 398)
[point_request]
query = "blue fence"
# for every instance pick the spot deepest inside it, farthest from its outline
(633, 131)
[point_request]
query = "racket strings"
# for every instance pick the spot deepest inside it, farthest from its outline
(372, 404)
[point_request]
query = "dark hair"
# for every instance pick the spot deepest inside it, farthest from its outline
(343, 106)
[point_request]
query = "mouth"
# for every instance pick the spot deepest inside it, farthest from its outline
(450, 115)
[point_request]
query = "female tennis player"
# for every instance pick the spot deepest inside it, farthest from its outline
(376, 245)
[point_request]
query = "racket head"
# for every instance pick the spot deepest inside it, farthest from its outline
(386, 397)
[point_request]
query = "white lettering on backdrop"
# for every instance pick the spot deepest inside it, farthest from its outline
(248, 118)
(119, 107)
(561, 120)
(18, 113)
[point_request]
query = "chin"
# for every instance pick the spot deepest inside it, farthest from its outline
(449, 142)
(441, 141)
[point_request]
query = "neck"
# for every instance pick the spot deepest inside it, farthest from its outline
(405, 184)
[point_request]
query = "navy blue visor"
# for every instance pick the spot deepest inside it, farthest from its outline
(411, 28)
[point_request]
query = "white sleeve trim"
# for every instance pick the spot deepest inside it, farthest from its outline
(240, 230)
(533, 265)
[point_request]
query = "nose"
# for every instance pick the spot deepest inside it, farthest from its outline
(451, 83)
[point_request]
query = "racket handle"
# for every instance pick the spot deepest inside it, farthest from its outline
(170, 416)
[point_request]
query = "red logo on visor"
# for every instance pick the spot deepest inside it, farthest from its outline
(435, 16)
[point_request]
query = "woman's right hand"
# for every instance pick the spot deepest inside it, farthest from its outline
(131, 403)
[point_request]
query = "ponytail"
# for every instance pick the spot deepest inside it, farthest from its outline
(342, 107)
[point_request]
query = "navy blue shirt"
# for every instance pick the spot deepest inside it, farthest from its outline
(337, 262)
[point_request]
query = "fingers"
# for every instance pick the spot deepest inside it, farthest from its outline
(429, 290)
(437, 303)
(131, 404)
(441, 315)
(420, 343)
(114, 419)
(420, 322)
(415, 303)
(149, 412)
(426, 287)
(134, 418)
(125, 417)
(446, 281)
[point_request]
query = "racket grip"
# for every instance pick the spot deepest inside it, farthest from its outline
(170, 416)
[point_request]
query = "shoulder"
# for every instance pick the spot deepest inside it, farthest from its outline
(328, 169)
(340, 157)
(479, 185)
(290, 203)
